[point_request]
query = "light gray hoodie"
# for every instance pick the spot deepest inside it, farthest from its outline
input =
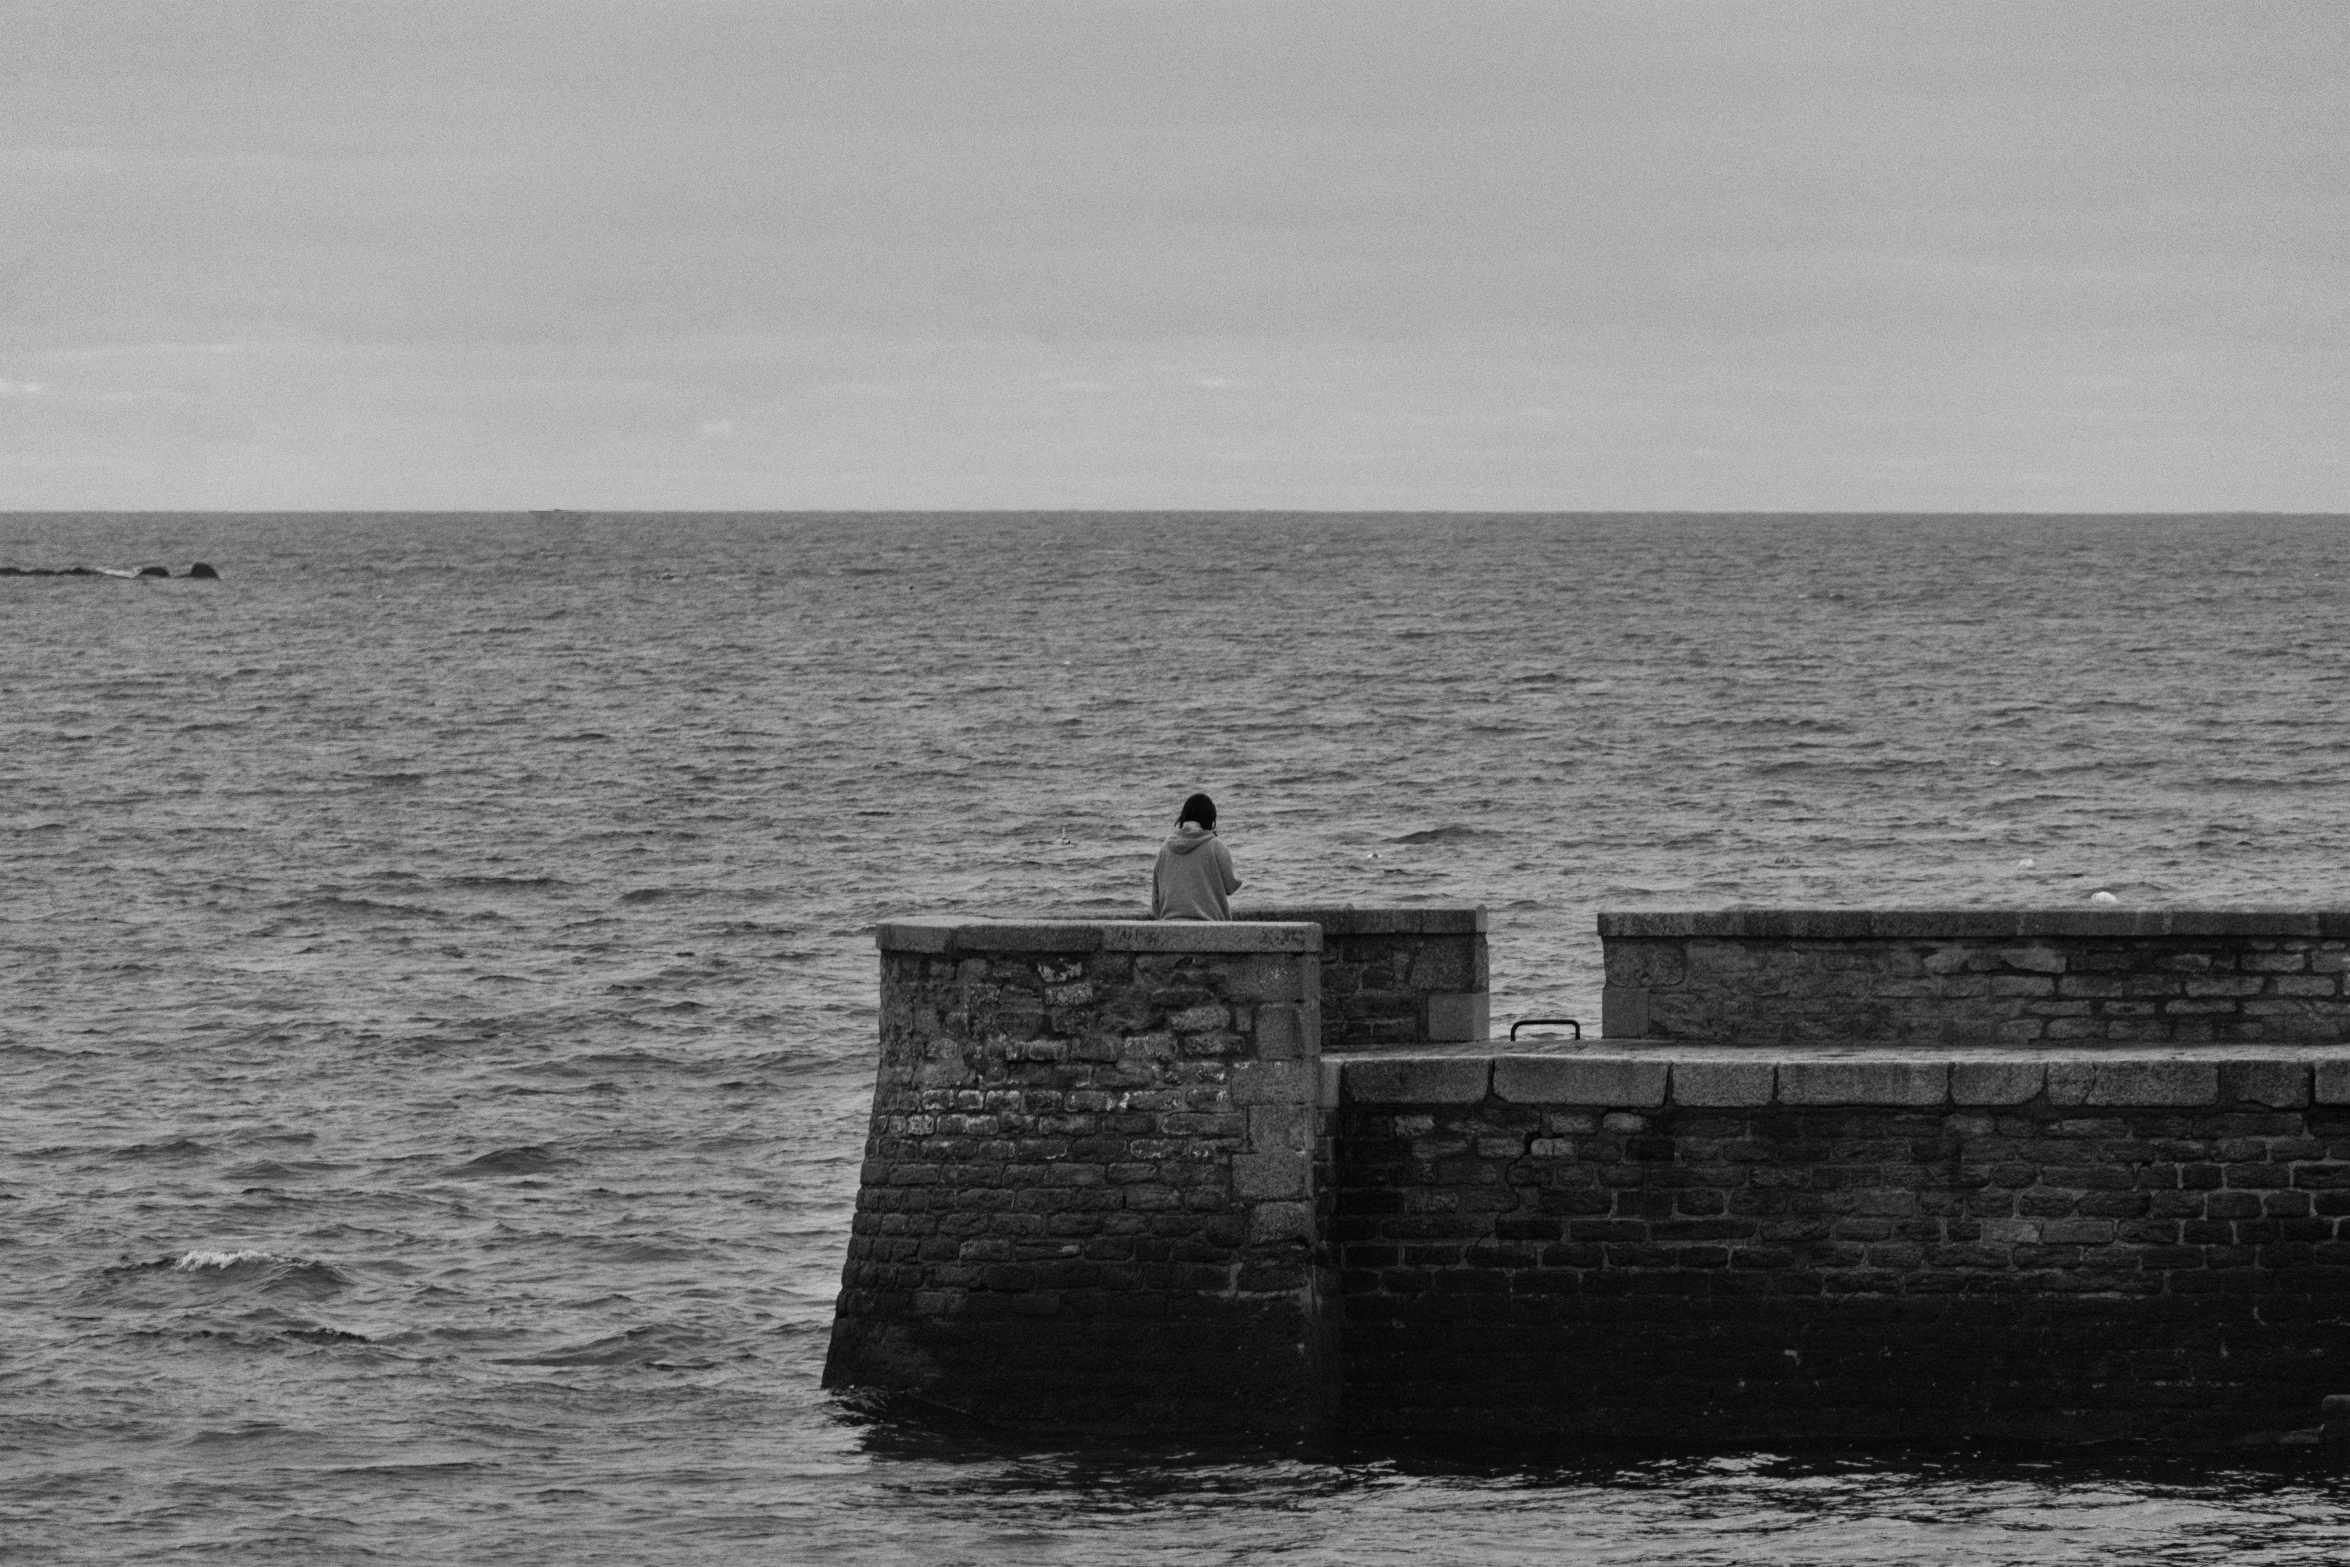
(1193, 879)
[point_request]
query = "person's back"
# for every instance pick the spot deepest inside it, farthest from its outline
(1193, 879)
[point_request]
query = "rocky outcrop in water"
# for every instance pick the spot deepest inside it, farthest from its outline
(199, 570)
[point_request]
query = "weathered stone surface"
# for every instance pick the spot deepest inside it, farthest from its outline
(1863, 1082)
(1120, 1187)
(1459, 1015)
(2332, 1085)
(1416, 1080)
(1342, 921)
(1272, 1176)
(1895, 1273)
(2281, 1085)
(2133, 1082)
(1281, 1221)
(1630, 1081)
(1623, 1012)
(1273, 977)
(1208, 936)
(1723, 1083)
(1281, 1032)
(1262, 1082)
(1281, 1128)
(1071, 1140)
(1996, 1082)
(1975, 977)
(1966, 924)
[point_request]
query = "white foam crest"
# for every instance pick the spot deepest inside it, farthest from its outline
(189, 1262)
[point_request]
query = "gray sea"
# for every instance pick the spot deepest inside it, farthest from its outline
(437, 1003)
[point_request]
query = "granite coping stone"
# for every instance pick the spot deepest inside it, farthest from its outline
(2116, 1077)
(2041, 1050)
(1966, 924)
(1346, 920)
(951, 934)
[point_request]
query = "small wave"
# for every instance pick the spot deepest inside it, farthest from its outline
(195, 1261)
(512, 883)
(325, 1336)
(177, 1148)
(338, 905)
(529, 1159)
(641, 1346)
(303, 1277)
(1450, 832)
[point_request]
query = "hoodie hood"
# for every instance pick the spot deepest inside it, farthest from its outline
(1185, 841)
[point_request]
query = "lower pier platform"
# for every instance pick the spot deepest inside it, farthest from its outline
(1671, 1243)
(1116, 1181)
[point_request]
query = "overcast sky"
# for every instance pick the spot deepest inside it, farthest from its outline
(708, 254)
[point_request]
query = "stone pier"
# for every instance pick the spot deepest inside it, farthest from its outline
(1921, 1177)
(1087, 1198)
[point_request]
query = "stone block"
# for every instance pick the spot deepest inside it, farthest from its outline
(1205, 936)
(1864, 1082)
(1266, 977)
(1996, 1082)
(1444, 964)
(1271, 1177)
(2303, 985)
(1280, 1129)
(1623, 1012)
(1580, 1080)
(1282, 1033)
(2333, 1082)
(1344, 922)
(917, 935)
(2036, 960)
(1280, 1221)
(1206, 1018)
(1417, 1080)
(1459, 1016)
(2135, 1082)
(1723, 1084)
(2280, 1085)
(1269, 1083)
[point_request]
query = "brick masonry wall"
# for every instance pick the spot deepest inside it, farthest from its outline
(1087, 1193)
(1984, 976)
(1734, 1249)
(1396, 977)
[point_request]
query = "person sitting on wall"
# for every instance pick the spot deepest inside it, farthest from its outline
(1193, 879)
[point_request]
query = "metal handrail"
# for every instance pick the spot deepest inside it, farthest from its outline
(1544, 1022)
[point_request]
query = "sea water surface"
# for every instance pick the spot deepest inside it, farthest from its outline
(437, 1002)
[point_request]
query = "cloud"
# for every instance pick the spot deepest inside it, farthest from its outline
(1865, 255)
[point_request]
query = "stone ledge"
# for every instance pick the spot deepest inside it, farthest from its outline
(1350, 921)
(1730, 1078)
(947, 934)
(1967, 924)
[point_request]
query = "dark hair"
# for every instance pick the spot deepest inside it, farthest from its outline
(1199, 808)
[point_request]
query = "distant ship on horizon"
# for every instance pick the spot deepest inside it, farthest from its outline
(558, 514)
